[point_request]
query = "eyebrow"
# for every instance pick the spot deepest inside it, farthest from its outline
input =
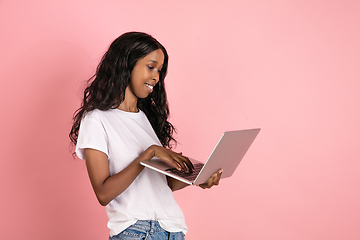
(154, 61)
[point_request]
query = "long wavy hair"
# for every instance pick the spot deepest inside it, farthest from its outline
(106, 88)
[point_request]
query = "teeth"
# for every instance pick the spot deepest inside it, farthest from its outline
(150, 86)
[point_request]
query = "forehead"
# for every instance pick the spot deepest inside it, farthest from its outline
(156, 56)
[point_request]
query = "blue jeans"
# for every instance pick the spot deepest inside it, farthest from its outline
(149, 230)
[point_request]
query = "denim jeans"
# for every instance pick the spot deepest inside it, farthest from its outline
(149, 230)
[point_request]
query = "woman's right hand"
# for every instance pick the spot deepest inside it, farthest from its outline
(176, 159)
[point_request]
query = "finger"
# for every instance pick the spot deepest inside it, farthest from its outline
(173, 162)
(188, 163)
(219, 173)
(218, 177)
(181, 163)
(209, 183)
(204, 186)
(189, 166)
(217, 180)
(177, 160)
(213, 180)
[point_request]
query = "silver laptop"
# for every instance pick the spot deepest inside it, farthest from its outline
(227, 155)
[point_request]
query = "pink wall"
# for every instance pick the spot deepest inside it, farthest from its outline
(289, 67)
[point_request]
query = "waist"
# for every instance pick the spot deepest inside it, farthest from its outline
(150, 226)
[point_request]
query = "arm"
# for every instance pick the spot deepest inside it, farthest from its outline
(108, 187)
(175, 184)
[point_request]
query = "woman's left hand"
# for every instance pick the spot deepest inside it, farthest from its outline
(214, 180)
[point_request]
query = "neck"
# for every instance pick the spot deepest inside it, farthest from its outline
(130, 102)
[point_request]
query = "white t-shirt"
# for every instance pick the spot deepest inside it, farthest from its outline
(123, 136)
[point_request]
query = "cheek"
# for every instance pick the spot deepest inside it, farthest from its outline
(135, 78)
(140, 74)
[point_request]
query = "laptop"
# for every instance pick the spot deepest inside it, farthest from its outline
(226, 155)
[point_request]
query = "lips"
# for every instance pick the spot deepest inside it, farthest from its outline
(149, 87)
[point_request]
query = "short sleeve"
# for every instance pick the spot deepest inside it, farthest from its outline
(91, 135)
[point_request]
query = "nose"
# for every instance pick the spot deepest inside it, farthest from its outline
(156, 77)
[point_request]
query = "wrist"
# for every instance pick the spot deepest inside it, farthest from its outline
(150, 152)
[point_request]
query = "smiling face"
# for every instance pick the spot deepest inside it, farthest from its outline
(145, 75)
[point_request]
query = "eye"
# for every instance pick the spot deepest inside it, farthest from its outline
(150, 67)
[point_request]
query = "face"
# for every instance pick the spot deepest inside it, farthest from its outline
(145, 74)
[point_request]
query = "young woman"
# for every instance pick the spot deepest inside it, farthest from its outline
(122, 121)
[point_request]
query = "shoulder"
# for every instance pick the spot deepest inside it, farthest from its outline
(98, 114)
(96, 117)
(94, 114)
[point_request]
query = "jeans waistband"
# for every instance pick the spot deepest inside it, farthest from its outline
(150, 226)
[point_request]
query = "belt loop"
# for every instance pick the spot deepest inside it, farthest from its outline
(152, 227)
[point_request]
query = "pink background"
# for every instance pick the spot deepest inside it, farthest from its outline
(289, 67)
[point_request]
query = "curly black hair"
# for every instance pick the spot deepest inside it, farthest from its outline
(107, 86)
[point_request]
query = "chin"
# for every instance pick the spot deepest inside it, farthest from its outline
(143, 96)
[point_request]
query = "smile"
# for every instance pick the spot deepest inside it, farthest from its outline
(149, 86)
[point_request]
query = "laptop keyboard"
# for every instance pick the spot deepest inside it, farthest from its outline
(188, 176)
